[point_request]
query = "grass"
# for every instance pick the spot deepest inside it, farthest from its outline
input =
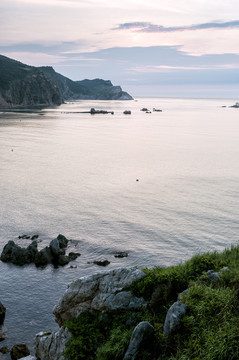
(208, 331)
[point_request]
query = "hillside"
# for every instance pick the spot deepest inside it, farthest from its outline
(22, 85)
(188, 311)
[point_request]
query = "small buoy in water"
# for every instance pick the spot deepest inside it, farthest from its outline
(137, 179)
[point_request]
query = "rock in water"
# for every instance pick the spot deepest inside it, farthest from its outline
(2, 336)
(101, 262)
(18, 255)
(19, 351)
(4, 350)
(2, 313)
(53, 254)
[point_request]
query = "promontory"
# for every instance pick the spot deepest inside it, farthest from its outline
(25, 86)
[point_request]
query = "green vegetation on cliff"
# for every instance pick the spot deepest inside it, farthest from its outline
(22, 85)
(208, 331)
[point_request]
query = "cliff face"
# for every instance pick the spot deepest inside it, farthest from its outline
(27, 86)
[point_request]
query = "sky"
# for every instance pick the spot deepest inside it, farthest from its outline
(186, 48)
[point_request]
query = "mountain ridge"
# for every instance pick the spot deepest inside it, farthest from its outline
(24, 86)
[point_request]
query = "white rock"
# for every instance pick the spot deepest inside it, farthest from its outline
(51, 345)
(29, 357)
(101, 291)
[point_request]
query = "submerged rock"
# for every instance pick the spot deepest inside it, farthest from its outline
(101, 291)
(101, 262)
(122, 254)
(73, 255)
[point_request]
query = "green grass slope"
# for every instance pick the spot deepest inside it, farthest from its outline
(208, 331)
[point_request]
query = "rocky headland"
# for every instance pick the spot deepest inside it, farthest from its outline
(27, 86)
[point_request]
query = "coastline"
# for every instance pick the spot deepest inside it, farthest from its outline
(162, 301)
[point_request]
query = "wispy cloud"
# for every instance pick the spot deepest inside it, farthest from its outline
(147, 27)
(166, 68)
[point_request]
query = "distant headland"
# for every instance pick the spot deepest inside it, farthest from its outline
(24, 86)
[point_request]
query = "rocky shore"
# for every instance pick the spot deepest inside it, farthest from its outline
(187, 310)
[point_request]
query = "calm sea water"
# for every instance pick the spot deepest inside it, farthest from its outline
(75, 174)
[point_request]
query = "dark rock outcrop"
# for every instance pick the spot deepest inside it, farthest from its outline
(236, 105)
(2, 336)
(19, 351)
(101, 262)
(2, 313)
(121, 254)
(17, 255)
(53, 254)
(4, 349)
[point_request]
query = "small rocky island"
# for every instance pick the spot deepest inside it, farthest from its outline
(54, 254)
(27, 86)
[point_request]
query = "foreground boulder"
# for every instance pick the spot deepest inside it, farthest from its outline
(173, 317)
(51, 345)
(140, 339)
(52, 254)
(101, 291)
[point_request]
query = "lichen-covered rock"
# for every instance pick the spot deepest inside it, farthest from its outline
(51, 345)
(173, 317)
(29, 357)
(140, 338)
(101, 291)
(212, 275)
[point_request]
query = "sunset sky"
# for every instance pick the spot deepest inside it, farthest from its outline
(149, 47)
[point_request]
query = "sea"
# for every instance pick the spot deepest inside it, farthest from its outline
(161, 186)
